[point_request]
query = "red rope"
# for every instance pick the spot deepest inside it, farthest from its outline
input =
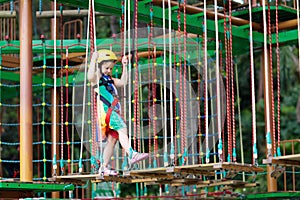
(93, 94)
(228, 105)
(273, 129)
(184, 77)
(180, 83)
(150, 85)
(92, 30)
(94, 115)
(278, 76)
(67, 109)
(232, 82)
(136, 83)
(61, 92)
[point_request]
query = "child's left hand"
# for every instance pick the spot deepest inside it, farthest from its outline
(124, 60)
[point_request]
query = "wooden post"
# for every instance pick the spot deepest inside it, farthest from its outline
(26, 153)
(54, 115)
(54, 130)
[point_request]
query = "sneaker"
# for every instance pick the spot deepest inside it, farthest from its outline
(109, 172)
(137, 157)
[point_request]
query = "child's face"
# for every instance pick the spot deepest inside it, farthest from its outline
(107, 67)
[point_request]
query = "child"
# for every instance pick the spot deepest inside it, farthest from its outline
(108, 105)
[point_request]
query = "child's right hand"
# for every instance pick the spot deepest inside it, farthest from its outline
(95, 56)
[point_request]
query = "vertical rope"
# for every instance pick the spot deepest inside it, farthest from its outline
(154, 87)
(130, 78)
(205, 85)
(199, 99)
(232, 86)
(172, 156)
(54, 163)
(266, 76)
(253, 105)
(84, 95)
(184, 82)
(273, 127)
(150, 35)
(222, 100)
(219, 120)
(136, 83)
(149, 89)
(44, 109)
(67, 109)
(94, 110)
(239, 117)
(175, 102)
(228, 103)
(155, 137)
(61, 94)
(123, 27)
(164, 115)
(180, 87)
(278, 82)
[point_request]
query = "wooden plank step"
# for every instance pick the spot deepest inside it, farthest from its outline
(239, 167)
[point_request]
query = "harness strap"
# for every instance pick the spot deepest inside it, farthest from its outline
(110, 109)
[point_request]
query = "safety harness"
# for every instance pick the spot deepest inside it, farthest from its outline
(111, 106)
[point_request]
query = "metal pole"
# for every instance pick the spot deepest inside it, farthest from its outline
(25, 28)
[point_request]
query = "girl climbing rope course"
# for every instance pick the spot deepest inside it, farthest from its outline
(110, 122)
